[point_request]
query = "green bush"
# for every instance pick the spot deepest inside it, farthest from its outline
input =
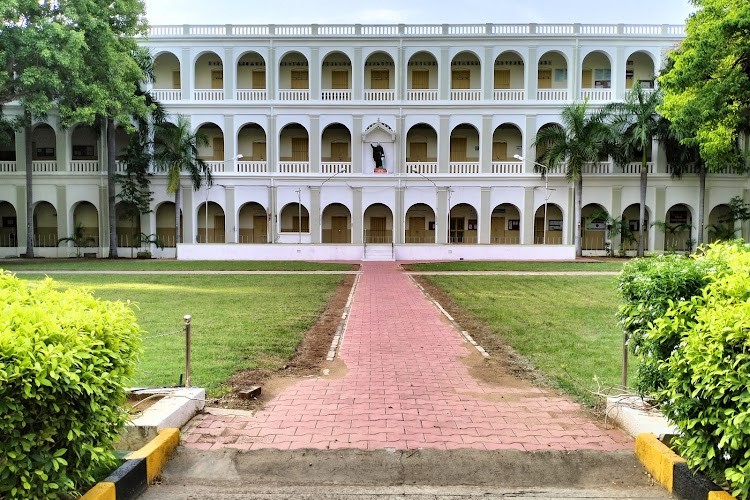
(707, 394)
(648, 287)
(64, 359)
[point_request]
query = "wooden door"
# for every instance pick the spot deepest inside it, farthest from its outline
(300, 149)
(497, 231)
(218, 147)
(544, 80)
(418, 151)
(259, 151)
(416, 230)
(217, 79)
(380, 79)
(458, 148)
(502, 78)
(219, 228)
(340, 151)
(176, 82)
(377, 230)
(299, 79)
(460, 79)
(499, 151)
(420, 79)
(305, 224)
(259, 80)
(339, 80)
(457, 230)
(586, 79)
(339, 229)
(260, 229)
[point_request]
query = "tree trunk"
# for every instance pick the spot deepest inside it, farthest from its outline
(701, 202)
(578, 196)
(177, 235)
(642, 208)
(29, 194)
(111, 188)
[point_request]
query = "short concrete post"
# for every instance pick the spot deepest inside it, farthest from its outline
(187, 349)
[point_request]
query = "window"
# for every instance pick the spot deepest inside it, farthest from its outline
(514, 224)
(471, 225)
(554, 225)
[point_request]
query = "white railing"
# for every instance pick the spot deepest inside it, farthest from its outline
(422, 95)
(507, 167)
(380, 95)
(121, 167)
(294, 167)
(509, 94)
(596, 94)
(208, 94)
(422, 167)
(294, 95)
(464, 167)
(252, 167)
(466, 95)
(215, 166)
(552, 95)
(251, 95)
(7, 166)
(634, 167)
(86, 166)
(44, 166)
(336, 167)
(336, 95)
(560, 169)
(166, 95)
(602, 167)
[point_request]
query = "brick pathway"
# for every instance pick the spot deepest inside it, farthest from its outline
(405, 388)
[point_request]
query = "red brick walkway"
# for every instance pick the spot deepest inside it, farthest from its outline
(405, 388)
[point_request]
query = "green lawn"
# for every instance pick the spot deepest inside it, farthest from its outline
(565, 325)
(239, 321)
(166, 265)
(612, 265)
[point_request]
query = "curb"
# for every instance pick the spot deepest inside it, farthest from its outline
(672, 472)
(131, 479)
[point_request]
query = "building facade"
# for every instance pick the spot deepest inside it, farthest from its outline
(373, 141)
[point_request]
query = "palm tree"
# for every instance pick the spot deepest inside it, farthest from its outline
(583, 138)
(635, 122)
(176, 151)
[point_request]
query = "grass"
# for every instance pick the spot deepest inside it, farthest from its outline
(239, 321)
(611, 265)
(166, 265)
(565, 325)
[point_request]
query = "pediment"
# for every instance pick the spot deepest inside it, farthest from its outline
(378, 131)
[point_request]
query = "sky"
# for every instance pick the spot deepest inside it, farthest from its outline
(416, 11)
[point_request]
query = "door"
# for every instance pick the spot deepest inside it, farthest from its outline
(377, 230)
(176, 83)
(457, 230)
(259, 80)
(502, 78)
(460, 79)
(545, 79)
(497, 231)
(299, 149)
(218, 147)
(586, 79)
(219, 229)
(458, 149)
(217, 79)
(499, 151)
(340, 151)
(418, 151)
(339, 229)
(259, 151)
(416, 230)
(380, 79)
(339, 80)
(420, 79)
(299, 79)
(260, 229)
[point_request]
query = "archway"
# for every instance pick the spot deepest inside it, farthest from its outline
(294, 77)
(594, 227)
(422, 149)
(466, 77)
(165, 218)
(629, 229)
(7, 149)
(45, 225)
(44, 153)
(8, 225)
(295, 219)
(422, 80)
(211, 224)
(253, 221)
(209, 77)
(554, 231)
(677, 229)
(251, 77)
(379, 77)
(128, 225)
(507, 141)
(721, 226)
(505, 225)
(464, 150)
(464, 224)
(639, 67)
(167, 72)
(86, 224)
(552, 77)
(509, 79)
(336, 224)
(252, 145)
(213, 151)
(294, 149)
(336, 149)
(419, 226)
(378, 224)
(83, 153)
(336, 77)
(596, 77)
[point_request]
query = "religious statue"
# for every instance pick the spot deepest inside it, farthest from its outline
(378, 154)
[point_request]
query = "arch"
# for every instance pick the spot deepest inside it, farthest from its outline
(86, 216)
(45, 225)
(594, 227)
(596, 70)
(552, 71)
(294, 143)
(464, 224)
(336, 71)
(423, 72)
(45, 143)
(629, 229)
(208, 71)
(505, 225)
(83, 143)
(553, 233)
(128, 224)
(7, 144)
(251, 71)
(379, 71)
(419, 224)
(640, 67)
(294, 218)
(466, 71)
(378, 224)
(212, 224)
(165, 218)
(336, 224)
(509, 71)
(252, 142)
(721, 225)
(253, 223)
(677, 228)
(214, 149)
(464, 144)
(167, 71)
(8, 225)
(507, 140)
(421, 144)
(294, 71)
(336, 146)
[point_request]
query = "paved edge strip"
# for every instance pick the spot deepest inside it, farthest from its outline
(131, 479)
(440, 308)
(672, 472)
(338, 339)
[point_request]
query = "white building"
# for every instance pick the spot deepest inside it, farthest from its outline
(292, 113)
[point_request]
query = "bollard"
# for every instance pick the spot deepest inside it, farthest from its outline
(187, 349)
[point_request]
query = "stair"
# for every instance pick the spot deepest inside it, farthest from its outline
(375, 252)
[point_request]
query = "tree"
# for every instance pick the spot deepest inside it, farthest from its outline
(176, 151)
(636, 122)
(583, 138)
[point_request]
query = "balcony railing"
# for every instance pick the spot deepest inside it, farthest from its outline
(380, 95)
(294, 167)
(507, 167)
(634, 167)
(121, 166)
(466, 95)
(602, 167)
(422, 95)
(336, 167)
(596, 94)
(251, 95)
(44, 166)
(509, 94)
(85, 166)
(552, 95)
(252, 167)
(422, 167)
(464, 167)
(208, 95)
(166, 95)
(7, 166)
(336, 95)
(294, 95)
(215, 166)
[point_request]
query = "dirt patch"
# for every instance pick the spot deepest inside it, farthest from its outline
(308, 361)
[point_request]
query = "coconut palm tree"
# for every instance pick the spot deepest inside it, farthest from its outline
(175, 152)
(636, 122)
(583, 138)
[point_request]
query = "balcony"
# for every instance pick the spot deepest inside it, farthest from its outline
(509, 94)
(44, 166)
(7, 166)
(507, 167)
(598, 168)
(336, 167)
(84, 166)
(294, 95)
(596, 94)
(336, 95)
(250, 95)
(380, 95)
(166, 95)
(422, 167)
(464, 167)
(208, 95)
(215, 166)
(466, 95)
(552, 95)
(634, 167)
(294, 167)
(252, 167)
(422, 95)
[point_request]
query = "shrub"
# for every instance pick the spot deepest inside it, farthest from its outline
(648, 287)
(708, 373)
(64, 359)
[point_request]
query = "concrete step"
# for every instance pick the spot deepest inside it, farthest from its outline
(379, 253)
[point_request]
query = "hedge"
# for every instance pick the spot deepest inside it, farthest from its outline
(65, 358)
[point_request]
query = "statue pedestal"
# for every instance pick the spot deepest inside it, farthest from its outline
(380, 170)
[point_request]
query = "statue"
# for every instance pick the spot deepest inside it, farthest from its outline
(378, 154)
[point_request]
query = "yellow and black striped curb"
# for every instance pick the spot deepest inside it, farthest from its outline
(140, 468)
(672, 471)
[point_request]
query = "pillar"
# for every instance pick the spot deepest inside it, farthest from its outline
(62, 142)
(485, 145)
(529, 150)
(485, 216)
(618, 74)
(314, 142)
(444, 75)
(659, 213)
(61, 205)
(442, 221)
(357, 144)
(104, 228)
(272, 214)
(20, 215)
(230, 144)
(357, 216)
(531, 73)
(527, 217)
(488, 75)
(315, 221)
(615, 212)
(358, 76)
(230, 215)
(314, 74)
(272, 72)
(230, 74)
(444, 145)
(188, 215)
(399, 217)
(187, 72)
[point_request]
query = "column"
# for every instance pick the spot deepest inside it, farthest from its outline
(271, 74)
(616, 213)
(104, 228)
(488, 75)
(20, 215)
(314, 74)
(187, 70)
(398, 217)
(358, 75)
(444, 145)
(272, 214)
(401, 74)
(230, 144)
(527, 217)
(230, 215)
(529, 150)
(357, 216)
(574, 76)
(531, 73)
(485, 216)
(20, 151)
(61, 205)
(444, 76)
(485, 148)
(618, 74)
(188, 215)
(230, 73)
(272, 145)
(315, 221)
(570, 220)
(442, 220)
(62, 142)
(314, 143)
(399, 148)
(356, 144)
(659, 157)
(656, 243)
